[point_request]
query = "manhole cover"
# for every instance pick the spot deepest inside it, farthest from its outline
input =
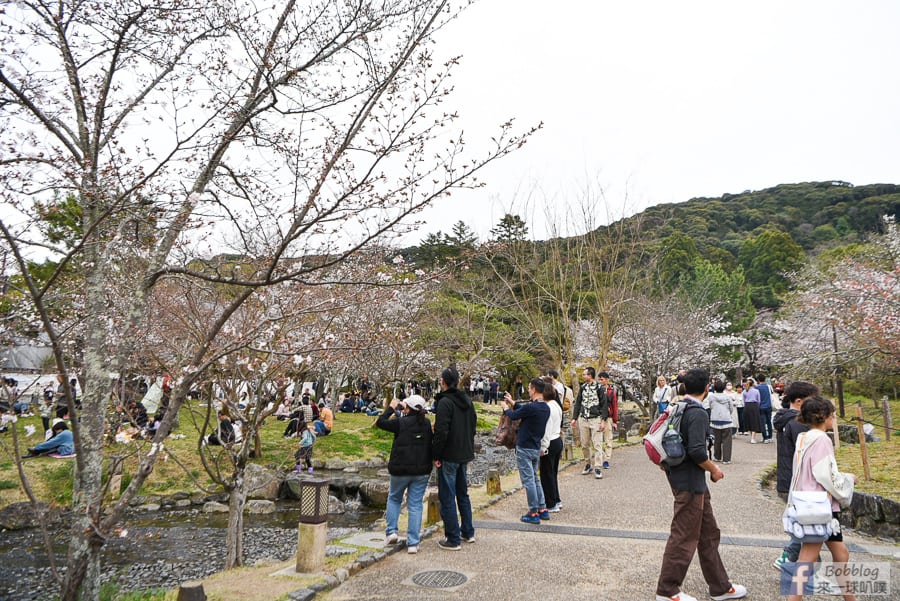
(439, 579)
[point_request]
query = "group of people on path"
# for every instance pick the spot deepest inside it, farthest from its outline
(805, 463)
(448, 445)
(805, 457)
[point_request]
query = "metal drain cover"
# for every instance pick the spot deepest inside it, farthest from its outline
(439, 579)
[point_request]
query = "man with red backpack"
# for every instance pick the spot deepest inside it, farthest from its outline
(611, 421)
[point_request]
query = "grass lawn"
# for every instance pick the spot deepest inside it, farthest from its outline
(354, 437)
(884, 456)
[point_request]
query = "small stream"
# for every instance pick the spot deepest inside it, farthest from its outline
(161, 549)
(166, 547)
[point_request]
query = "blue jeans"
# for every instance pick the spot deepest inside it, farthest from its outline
(321, 430)
(415, 487)
(527, 462)
(453, 490)
(793, 549)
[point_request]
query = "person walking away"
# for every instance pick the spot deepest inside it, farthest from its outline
(787, 429)
(610, 419)
(662, 396)
(303, 456)
(720, 422)
(591, 407)
(551, 447)
(694, 528)
(815, 468)
(752, 419)
(765, 408)
(409, 466)
(534, 416)
(453, 447)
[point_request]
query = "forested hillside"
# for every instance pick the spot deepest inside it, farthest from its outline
(813, 214)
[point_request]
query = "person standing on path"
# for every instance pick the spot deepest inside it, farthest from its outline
(551, 447)
(815, 469)
(694, 528)
(610, 421)
(409, 466)
(720, 421)
(752, 420)
(453, 447)
(589, 414)
(534, 416)
(765, 408)
(788, 428)
(662, 395)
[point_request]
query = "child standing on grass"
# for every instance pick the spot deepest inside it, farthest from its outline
(307, 441)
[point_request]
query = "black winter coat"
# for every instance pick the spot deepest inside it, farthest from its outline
(411, 451)
(454, 427)
(788, 430)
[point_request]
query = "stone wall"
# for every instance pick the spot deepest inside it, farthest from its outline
(873, 515)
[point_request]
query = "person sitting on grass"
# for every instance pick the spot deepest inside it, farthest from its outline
(61, 442)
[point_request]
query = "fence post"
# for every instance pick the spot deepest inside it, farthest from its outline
(886, 412)
(862, 440)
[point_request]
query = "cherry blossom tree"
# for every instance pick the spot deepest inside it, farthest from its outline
(170, 130)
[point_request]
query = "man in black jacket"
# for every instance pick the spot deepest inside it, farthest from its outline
(694, 528)
(453, 447)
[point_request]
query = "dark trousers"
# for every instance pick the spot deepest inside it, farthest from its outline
(766, 416)
(722, 446)
(694, 529)
(453, 491)
(549, 466)
(741, 427)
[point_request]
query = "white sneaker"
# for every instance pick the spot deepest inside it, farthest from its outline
(677, 597)
(412, 550)
(391, 539)
(737, 592)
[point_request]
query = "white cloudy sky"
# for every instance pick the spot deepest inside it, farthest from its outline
(663, 101)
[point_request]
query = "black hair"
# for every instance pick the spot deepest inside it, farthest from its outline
(590, 369)
(815, 410)
(696, 380)
(553, 374)
(538, 384)
(549, 391)
(59, 427)
(450, 377)
(800, 390)
(718, 385)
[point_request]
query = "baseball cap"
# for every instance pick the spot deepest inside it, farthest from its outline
(414, 402)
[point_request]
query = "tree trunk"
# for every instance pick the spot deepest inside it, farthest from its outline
(234, 540)
(82, 580)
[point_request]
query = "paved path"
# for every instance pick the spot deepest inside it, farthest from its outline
(606, 544)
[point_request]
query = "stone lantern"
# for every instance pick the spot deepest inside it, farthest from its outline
(313, 528)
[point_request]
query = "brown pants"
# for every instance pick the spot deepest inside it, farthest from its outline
(693, 529)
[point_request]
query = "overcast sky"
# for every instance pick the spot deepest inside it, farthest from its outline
(665, 101)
